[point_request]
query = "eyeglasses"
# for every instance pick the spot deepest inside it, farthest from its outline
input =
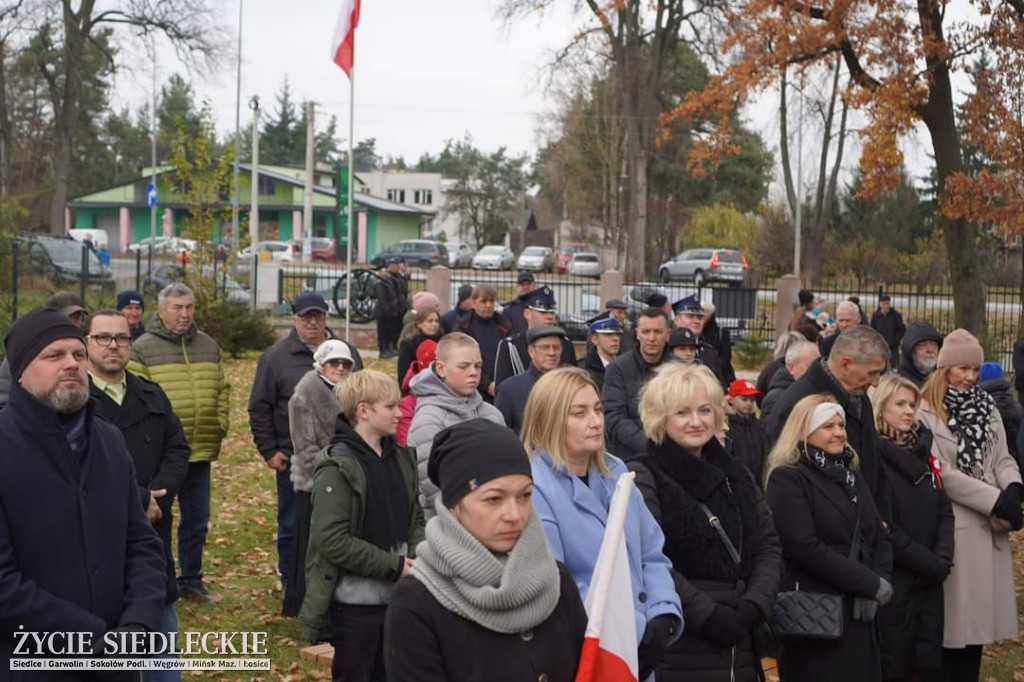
(313, 318)
(121, 340)
(336, 362)
(548, 349)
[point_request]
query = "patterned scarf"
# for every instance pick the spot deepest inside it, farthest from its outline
(835, 467)
(905, 439)
(970, 414)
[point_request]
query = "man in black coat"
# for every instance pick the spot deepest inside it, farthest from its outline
(720, 340)
(799, 356)
(512, 356)
(856, 363)
(513, 310)
(921, 345)
(689, 314)
(605, 339)
(152, 432)
(624, 378)
(131, 304)
(277, 373)
(77, 553)
(463, 306)
(888, 322)
(545, 352)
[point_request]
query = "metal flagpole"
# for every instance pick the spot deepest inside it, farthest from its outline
(235, 237)
(351, 163)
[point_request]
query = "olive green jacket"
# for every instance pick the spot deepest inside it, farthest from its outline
(190, 370)
(335, 544)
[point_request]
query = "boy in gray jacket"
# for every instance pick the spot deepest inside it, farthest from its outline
(446, 395)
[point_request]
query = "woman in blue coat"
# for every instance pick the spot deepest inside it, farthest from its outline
(573, 482)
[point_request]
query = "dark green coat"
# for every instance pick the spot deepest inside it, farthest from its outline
(335, 545)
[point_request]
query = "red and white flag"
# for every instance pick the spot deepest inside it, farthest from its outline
(343, 44)
(609, 648)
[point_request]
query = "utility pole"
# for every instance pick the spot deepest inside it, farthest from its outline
(235, 237)
(254, 191)
(152, 169)
(307, 203)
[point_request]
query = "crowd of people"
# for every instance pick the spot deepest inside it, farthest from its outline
(848, 513)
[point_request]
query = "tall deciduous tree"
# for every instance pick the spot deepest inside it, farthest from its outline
(901, 55)
(190, 25)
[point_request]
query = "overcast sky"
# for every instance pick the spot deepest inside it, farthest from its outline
(425, 72)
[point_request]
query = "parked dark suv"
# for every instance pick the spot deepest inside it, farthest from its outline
(418, 253)
(59, 259)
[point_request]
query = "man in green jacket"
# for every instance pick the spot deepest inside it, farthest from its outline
(187, 364)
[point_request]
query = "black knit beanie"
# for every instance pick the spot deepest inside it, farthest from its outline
(33, 332)
(468, 454)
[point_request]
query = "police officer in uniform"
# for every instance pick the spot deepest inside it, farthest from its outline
(605, 341)
(513, 358)
(689, 314)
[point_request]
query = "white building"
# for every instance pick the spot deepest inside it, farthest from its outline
(421, 190)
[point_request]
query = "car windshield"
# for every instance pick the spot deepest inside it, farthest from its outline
(535, 251)
(586, 258)
(492, 250)
(729, 257)
(572, 249)
(321, 243)
(68, 251)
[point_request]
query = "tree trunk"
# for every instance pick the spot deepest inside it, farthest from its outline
(940, 118)
(65, 106)
(813, 247)
(5, 128)
(787, 173)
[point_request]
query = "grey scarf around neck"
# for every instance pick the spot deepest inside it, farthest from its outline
(504, 593)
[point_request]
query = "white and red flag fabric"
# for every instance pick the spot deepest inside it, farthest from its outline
(343, 44)
(609, 648)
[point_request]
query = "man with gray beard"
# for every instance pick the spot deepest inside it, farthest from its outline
(77, 553)
(921, 346)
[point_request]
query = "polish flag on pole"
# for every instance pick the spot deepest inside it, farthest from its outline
(609, 648)
(342, 46)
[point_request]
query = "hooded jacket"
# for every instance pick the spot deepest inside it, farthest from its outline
(336, 547)
(916, 333)
(437, 408)
(190, 370)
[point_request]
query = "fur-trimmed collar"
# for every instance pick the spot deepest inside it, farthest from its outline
(698, 476)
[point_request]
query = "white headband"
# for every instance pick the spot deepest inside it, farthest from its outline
(822, 413)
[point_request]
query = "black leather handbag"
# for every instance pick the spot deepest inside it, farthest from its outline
(811, 615)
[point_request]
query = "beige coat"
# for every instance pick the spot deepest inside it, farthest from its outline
(981, 604)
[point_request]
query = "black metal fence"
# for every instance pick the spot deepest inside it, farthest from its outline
(749, 311)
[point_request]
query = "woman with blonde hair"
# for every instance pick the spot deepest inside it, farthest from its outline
(573, 482)
(922, 535)
(833, 542)
(983, 483)
(725, 554)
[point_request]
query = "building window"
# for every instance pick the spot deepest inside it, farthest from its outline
(396, 195)
(267, 186)
(423, 197)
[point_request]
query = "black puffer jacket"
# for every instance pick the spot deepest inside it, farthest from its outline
(922, 540)
(1009, 409)
(674, 483)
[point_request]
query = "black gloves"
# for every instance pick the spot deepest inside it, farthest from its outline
(723, 628)
(1007, 507)
(748, 615)
(652, 646)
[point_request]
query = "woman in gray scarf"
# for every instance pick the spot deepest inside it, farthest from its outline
(485, 599)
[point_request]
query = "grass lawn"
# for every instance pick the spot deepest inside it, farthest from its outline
(241, 557)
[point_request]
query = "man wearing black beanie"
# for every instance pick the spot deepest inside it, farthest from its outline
(76, 548)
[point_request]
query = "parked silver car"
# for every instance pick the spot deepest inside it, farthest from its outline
(585, 264)
(705, 265)
(537, 259)
(494, 258)
(460, 255)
